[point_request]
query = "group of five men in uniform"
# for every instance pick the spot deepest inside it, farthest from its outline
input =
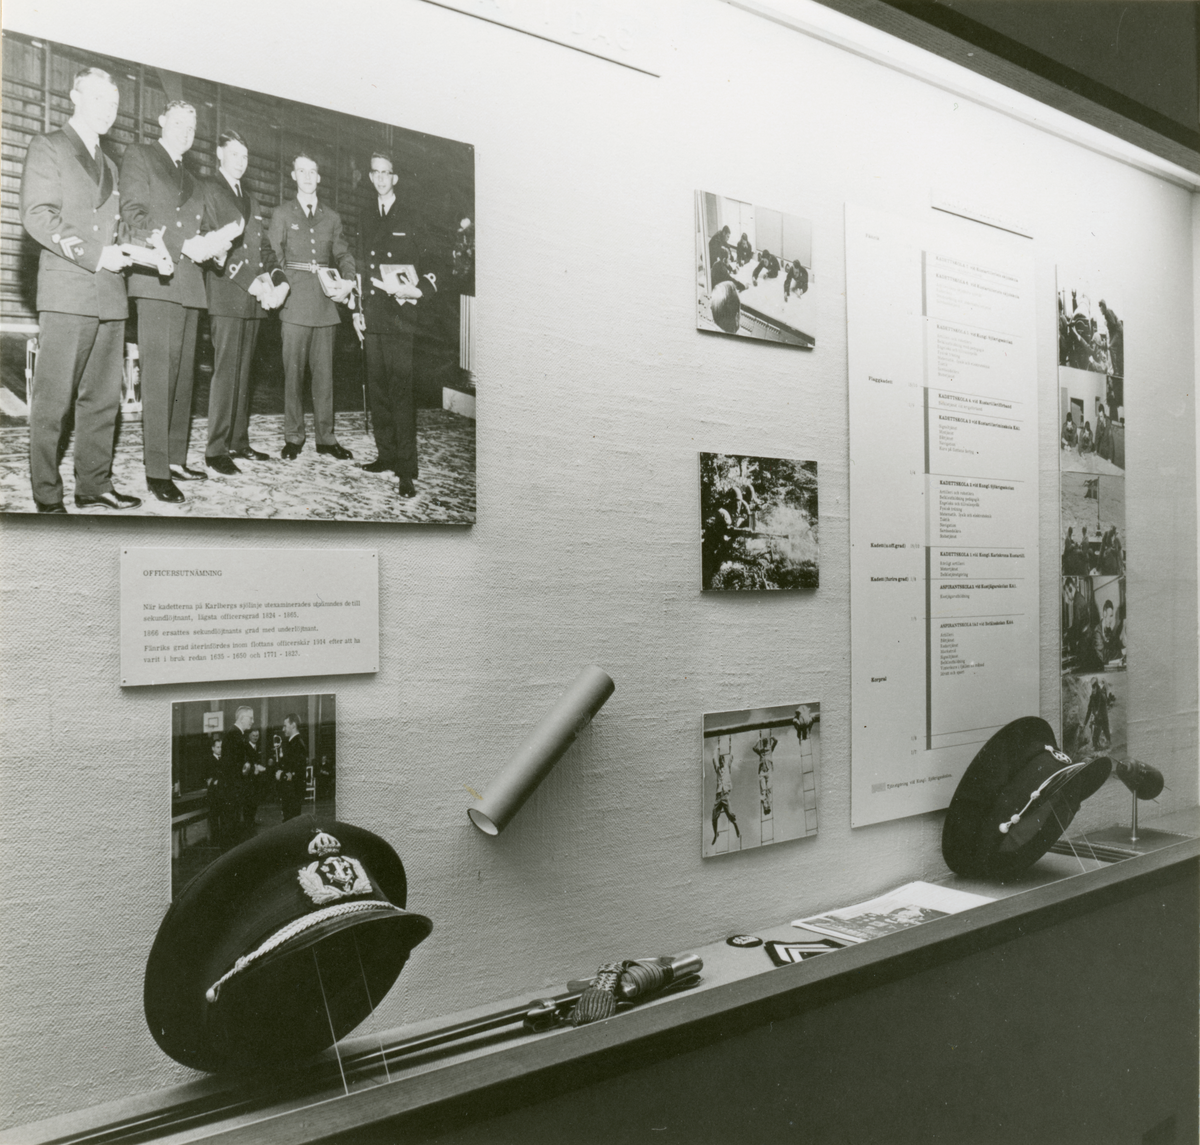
(79, 207)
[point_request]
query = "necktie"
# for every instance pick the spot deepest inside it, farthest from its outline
(237, 188)
(308, 211)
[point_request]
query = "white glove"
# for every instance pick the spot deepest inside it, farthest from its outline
(154, 253)
(113, 258)
(198, 249)
(221, 240)
(402, 292)
(344, 291)
(260, 287)
(214, 245)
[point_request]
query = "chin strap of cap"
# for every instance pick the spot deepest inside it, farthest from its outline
(1064, 772)
(299, 926)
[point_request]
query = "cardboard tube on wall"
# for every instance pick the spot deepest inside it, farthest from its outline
(542, 750)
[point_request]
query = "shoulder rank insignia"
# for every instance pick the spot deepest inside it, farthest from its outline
(69, 245)
(332, 875)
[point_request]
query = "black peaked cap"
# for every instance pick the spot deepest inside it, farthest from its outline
(280, 947)
(1000, 783)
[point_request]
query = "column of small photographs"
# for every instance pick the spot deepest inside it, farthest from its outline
(759, 525)
(1093, 624)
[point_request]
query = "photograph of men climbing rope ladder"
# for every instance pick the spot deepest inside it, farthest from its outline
(759, 777)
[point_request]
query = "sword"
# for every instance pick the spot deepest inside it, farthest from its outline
(362, 347)
(322, 1078)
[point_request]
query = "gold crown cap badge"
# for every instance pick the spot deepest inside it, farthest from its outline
(324, 844)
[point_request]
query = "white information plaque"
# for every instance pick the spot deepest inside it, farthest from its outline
(943, 504)
(247, 614)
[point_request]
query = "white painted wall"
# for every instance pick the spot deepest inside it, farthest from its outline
(596, 393)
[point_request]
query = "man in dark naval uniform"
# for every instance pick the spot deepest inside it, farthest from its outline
(291, 773)
(222, 828)
(253, 770)
(388, 320)
(239, 764)
(248, 276)
(159, 194)
(69, 205)
(307, 237)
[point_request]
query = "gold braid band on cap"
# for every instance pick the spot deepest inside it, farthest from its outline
(287, 933)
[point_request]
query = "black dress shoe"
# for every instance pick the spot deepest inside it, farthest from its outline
(110, 500)
(378, 466)
(407, 489)
(183, 473)
(50, 506)
(164, 489)
(249, 454)
(335, 450)
(222, 464)
(290, 451)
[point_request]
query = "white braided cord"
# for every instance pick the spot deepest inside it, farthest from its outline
(297, 926)
(1033, 797)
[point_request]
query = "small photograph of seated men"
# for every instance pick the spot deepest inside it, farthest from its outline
(757, 284)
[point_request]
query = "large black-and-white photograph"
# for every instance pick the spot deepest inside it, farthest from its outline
(754, 272)
(241, 766)
(216, 302)
(1091, 381)
(759, 777)
(759, 519)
